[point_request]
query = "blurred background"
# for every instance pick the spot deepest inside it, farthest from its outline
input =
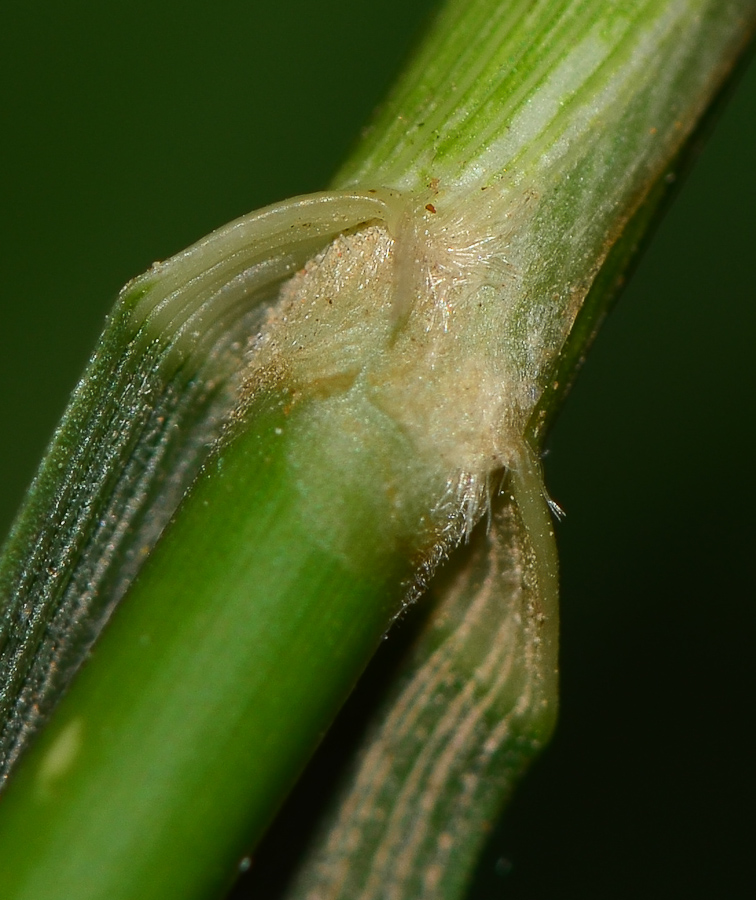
(129, 130)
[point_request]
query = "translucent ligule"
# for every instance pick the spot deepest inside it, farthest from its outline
(190, 296)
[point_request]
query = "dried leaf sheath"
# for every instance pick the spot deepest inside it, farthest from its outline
(476, 701)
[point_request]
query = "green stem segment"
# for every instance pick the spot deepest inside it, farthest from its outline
(169, 756)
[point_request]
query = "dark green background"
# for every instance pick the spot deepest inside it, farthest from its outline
(131, 129)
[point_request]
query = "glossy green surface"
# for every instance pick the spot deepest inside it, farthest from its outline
(242, 621)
